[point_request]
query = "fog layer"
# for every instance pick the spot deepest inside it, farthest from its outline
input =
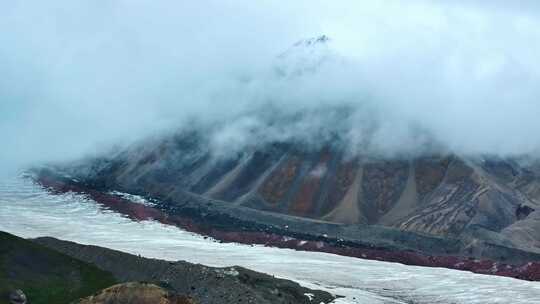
(78, 76)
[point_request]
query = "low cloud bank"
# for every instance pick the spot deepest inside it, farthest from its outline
(389, 77)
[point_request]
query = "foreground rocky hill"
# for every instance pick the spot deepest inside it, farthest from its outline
(48, 270)
(202, 284)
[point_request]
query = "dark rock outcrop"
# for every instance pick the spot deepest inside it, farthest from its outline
(523, 211)
(17, 297)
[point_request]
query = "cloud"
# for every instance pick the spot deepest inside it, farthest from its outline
(80, 75)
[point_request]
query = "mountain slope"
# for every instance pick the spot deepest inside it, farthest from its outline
(448, 195)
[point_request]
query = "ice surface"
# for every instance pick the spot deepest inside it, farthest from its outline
(28, 210)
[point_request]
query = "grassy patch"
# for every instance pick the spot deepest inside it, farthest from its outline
(44, 275)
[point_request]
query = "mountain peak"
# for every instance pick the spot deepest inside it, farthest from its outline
(306, 55)
(322, 39)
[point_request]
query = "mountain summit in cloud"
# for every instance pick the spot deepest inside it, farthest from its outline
(335, 160)
(305, 56)
(80, 77)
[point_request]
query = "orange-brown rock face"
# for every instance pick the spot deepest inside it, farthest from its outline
(135, 293)
(304, 202)
(276, 186)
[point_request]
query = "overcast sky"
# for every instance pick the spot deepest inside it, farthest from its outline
(80, 75)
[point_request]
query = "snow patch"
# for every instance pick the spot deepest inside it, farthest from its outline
(133, 198)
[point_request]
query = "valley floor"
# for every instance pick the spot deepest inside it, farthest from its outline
(30, 211)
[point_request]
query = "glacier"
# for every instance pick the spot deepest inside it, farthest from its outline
(28, 210)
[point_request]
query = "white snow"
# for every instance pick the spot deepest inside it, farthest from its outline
(133, 198)
(310, 296)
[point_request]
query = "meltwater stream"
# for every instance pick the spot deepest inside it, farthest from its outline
(28, 210)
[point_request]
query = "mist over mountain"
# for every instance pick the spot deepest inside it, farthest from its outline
(392, 131)
(388, 79)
